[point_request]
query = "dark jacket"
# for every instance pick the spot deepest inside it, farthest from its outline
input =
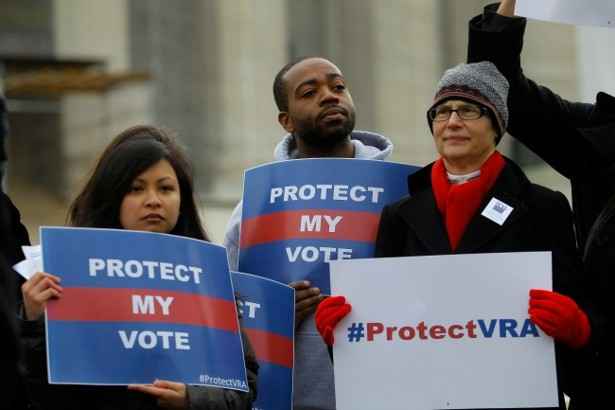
(13, 235)
(540, 221)
(77, 397)
(578, 141)
(11, 369)
(4, 129)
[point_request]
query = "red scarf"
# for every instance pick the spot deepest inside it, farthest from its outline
(458, 203)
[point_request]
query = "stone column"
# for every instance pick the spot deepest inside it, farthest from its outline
(251, 44)
(213, 64)
(390, 55)
(90, 119)
(92, 30)
(407, 66)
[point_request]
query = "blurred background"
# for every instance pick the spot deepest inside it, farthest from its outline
(76, 72)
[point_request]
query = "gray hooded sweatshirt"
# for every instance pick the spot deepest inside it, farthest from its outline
(314, 384)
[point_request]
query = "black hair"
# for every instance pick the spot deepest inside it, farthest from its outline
(131, 153)
(279, 84)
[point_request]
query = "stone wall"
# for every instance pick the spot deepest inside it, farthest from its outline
(89, 122)
(213, 63)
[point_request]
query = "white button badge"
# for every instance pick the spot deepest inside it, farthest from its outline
(497, 211)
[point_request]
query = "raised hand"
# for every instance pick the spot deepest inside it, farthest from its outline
(306, 300)
(507, 8)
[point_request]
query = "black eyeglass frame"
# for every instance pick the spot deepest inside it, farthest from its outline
(482, 111)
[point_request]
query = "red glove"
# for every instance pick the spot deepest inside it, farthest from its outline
(560, 317)
(328, 314)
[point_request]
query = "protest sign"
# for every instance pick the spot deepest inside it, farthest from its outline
(443, 332)
(298, 215)
(267, 312)
(137, 306)
(595, 12)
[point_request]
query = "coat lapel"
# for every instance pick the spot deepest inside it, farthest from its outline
(422, 215)
(482, 230)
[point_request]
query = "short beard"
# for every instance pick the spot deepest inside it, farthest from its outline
(325, 139)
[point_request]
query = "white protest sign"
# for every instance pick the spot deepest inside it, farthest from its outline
(442, 332)
(595, 12)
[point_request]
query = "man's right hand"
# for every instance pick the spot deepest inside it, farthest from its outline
(306, 300)
(37, 291)
(507, 8)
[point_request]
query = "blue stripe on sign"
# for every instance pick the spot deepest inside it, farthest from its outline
(94, 353)
(274, 388)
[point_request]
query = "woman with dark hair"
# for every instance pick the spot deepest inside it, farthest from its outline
(143, 182)
(130, 154)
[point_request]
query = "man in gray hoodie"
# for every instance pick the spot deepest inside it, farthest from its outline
(317, 111)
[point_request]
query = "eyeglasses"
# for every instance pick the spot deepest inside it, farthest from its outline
(465, 112)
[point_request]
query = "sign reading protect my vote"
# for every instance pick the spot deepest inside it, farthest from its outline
(140, 306)
(268, 312)
(298, 215)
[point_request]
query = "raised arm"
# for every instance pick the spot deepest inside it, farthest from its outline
(507, 8)
(545, 122)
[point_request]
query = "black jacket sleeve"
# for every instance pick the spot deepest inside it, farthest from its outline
(13, 235)
(542, 120)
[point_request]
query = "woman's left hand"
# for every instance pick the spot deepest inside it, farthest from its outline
(170, 395)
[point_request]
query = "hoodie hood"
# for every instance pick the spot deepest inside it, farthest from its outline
(367, 145)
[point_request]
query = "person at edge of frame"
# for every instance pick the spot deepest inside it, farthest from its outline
(578, 141)
(13, 235)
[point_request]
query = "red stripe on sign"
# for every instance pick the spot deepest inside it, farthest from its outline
(310, 223)
(143, 305)
(270, 347)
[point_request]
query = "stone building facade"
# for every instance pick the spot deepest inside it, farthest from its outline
(212, 63)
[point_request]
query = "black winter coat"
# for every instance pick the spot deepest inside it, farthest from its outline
(13, 235)
(540, 221)
(578, 141)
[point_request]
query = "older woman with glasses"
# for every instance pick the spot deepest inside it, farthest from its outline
(444, 212)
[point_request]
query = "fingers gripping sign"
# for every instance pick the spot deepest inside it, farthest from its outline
(169, 395)
(307, 299)
(37, 291)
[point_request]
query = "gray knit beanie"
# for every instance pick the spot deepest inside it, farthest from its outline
(478, 82)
